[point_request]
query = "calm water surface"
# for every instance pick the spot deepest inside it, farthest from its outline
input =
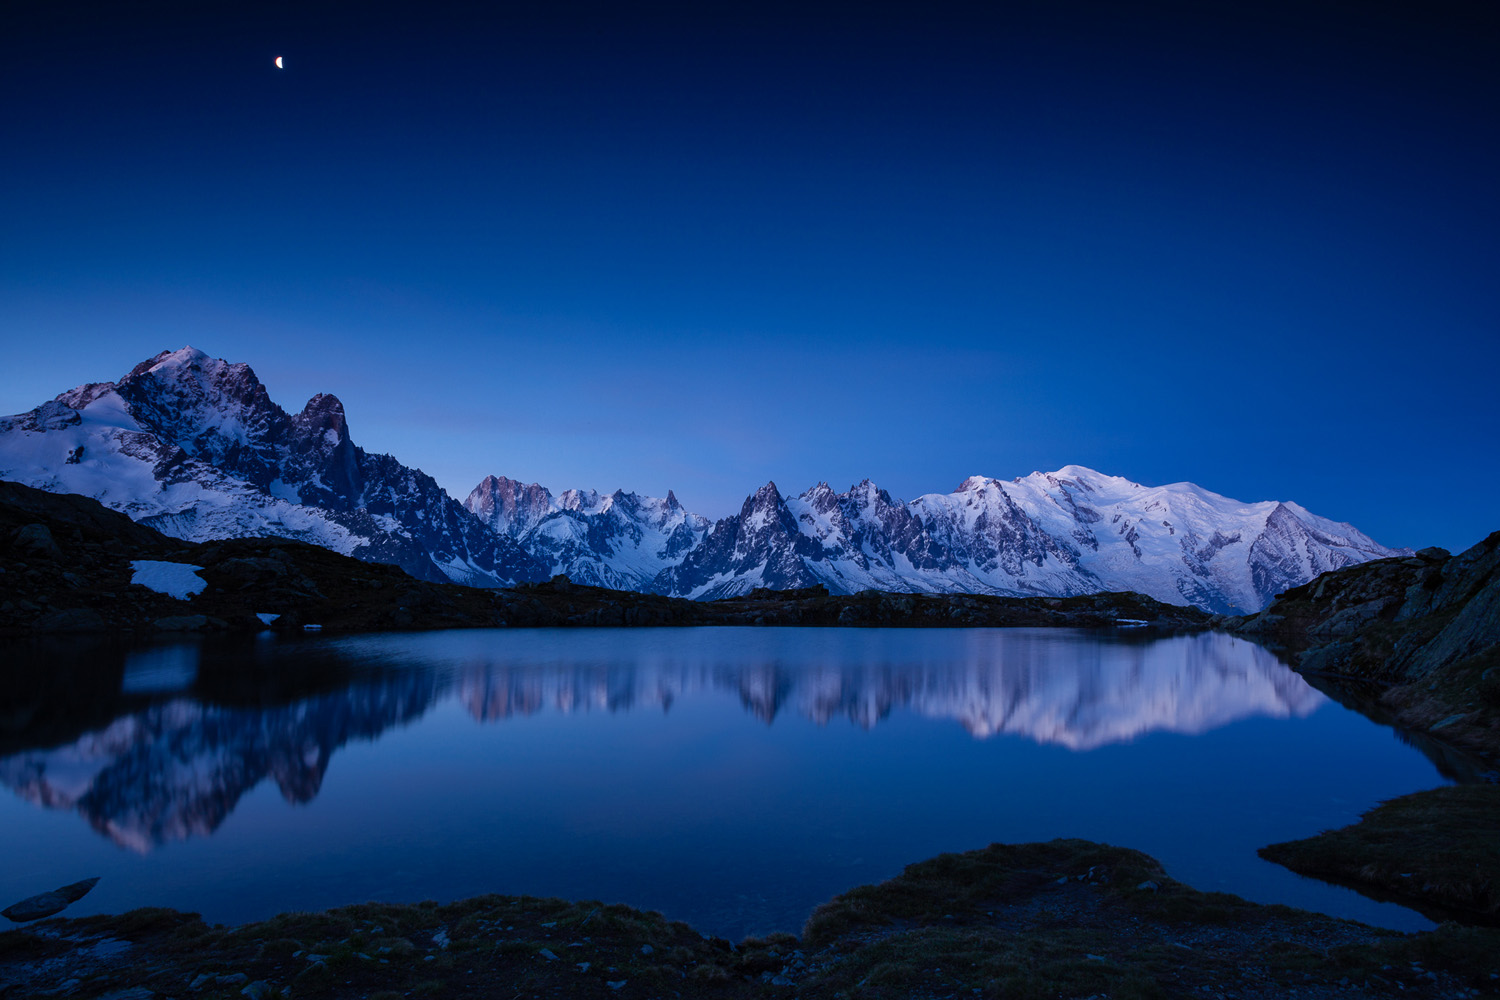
(732, 778)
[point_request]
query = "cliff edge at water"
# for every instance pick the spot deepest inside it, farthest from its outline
(1423, 631)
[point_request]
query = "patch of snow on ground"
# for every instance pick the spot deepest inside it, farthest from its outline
(179, 580)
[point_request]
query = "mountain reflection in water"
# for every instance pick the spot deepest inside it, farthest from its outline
(1045, 692)
(170, 738)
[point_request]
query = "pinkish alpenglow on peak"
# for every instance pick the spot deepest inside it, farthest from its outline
(194, 446)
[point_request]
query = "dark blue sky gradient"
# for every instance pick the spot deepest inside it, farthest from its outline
(1254, 246)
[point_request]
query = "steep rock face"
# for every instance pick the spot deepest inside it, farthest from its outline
(761, 546)
(1392, 619)
(1425, 625)
(194, 447)
(509, 507)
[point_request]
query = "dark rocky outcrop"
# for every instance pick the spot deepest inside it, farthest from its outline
(1422, 630)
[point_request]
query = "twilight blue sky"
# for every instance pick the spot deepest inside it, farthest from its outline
(1251, 245)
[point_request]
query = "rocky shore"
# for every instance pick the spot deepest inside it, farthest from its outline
(1420, 633)
(1067, 918)
(1436, 851)
(1417, 641)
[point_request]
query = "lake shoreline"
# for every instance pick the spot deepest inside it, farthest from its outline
(1066, 917)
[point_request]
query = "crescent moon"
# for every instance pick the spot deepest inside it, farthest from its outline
(278, 63)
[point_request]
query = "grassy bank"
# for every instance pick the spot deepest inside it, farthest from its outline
(1437, 851)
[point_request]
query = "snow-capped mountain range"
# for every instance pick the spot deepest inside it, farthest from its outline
(195, 447)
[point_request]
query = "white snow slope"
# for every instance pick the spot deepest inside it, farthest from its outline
(179, 580)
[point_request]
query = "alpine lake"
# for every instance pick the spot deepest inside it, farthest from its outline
(732, 778)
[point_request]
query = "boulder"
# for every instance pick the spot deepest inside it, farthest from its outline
(36, 540)
(249, 571)
(48, 903)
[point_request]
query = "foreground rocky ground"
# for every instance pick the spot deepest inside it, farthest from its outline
(65, 566)
(1067, 918)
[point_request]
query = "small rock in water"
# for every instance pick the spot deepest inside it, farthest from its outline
(48, 903)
